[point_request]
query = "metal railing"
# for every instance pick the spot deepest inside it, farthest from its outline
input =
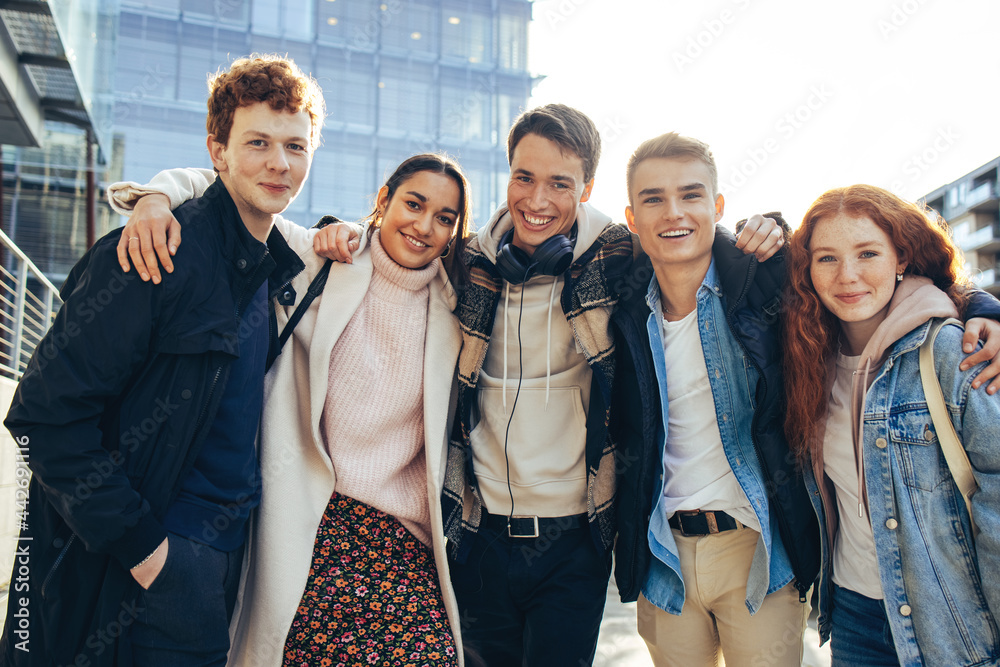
(28, 303)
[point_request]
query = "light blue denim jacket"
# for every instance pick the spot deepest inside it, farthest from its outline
(733, 379)
(941, 591)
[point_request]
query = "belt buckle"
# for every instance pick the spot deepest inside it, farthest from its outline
(709, 517)
(523, 517)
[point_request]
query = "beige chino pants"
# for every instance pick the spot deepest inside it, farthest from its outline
(715, 621)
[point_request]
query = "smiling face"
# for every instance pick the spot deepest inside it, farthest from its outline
(419, 219)
(674, 212)
(853, 266)
(265, 161)
(546, 187)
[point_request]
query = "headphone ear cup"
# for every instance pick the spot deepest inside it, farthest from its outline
(514, 265)
(554, 256)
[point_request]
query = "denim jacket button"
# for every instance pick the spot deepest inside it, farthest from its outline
(891, 524)
(881, 443)
(928, 435)
(905, 610)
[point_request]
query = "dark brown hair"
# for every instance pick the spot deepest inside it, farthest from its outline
(572, 130)
(454, 261)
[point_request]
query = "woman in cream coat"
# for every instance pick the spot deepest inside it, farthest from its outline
(299, 475)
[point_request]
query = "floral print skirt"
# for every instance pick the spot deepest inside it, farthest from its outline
(372, 597)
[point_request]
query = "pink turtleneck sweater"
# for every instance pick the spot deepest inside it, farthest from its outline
(373, 418)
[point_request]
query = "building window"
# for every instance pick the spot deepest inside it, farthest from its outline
(283, 18)
(150, 69)
(353, 23)
(195, 56)
(513, 42)
(406, 103)
(222, 10)
(466, 34)
(409, 26)
(349, 85)
(465, 106)
(342, 182)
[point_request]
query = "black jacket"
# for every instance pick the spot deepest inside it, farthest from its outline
(112, 411)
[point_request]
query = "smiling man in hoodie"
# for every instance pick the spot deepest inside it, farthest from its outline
(529, 495)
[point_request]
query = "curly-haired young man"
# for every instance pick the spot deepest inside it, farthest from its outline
(140, 408)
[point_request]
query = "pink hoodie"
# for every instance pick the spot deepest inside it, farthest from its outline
(915, 301)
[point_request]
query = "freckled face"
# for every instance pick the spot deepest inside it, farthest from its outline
(853, 267)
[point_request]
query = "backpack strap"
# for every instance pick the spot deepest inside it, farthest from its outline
(951, 446)
(314, 290)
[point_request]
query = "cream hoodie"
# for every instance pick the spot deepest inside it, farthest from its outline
(544, 456)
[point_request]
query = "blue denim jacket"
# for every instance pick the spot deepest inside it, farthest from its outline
(942, 592)
(733, 380)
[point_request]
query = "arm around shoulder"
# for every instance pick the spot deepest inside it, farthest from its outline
(179, 185)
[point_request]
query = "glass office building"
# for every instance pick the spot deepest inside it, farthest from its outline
(57, 62)
(399, 77)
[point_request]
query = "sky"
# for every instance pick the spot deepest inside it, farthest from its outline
(794, 96)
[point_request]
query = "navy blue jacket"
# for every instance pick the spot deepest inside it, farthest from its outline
(112, 411)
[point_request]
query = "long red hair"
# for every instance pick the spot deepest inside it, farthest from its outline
(921, 239)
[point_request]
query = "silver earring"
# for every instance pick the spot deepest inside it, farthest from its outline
(899, 277)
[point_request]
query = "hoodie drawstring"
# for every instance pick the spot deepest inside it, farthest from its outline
(548, 343)
(860, 434)
(506, 338)
(548, 340)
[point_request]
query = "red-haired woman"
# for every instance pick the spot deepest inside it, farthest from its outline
(902, 583)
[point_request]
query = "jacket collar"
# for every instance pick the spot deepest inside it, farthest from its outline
(288, 264)
(711, 282)
(245, 253)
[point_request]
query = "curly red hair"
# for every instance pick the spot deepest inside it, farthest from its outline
(921, 239)
(263, 78)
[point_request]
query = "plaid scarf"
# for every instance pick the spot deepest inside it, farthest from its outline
(588, 300)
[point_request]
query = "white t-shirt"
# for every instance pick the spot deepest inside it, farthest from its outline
(698, 474)
(854, 561)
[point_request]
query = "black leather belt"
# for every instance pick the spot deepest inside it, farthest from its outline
(698, 522)
(529, 526)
